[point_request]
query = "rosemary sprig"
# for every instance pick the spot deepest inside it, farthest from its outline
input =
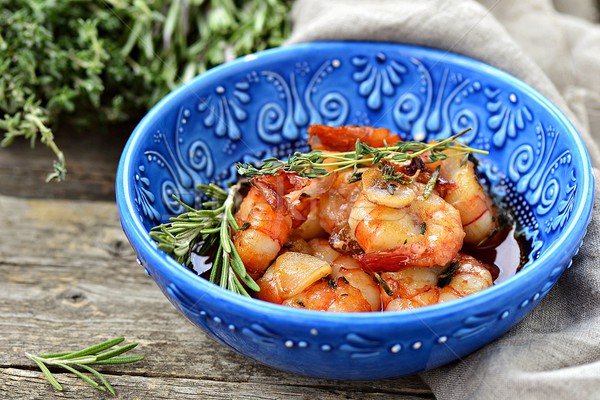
(74, 361)
(313, 165)
(208, 232)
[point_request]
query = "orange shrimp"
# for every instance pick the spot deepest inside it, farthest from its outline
(344, 266)
(411, 288)
(268, 229)
(418, 287)
(330, 295)
(477, 210)
(273, 207)
(343, 138)
(399, 226)
(471, 276)
(310, 227)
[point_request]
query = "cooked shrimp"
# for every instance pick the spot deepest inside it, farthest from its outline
(317, 243)
(335, 204)
(400, 226)
(471, 276)
(348, 268)
(411, 288)
(303, 205)
(418, 287)
(274, 206)
(343, 138)
(344, 266)
(268, 229)
(330, 295)
(477, 211)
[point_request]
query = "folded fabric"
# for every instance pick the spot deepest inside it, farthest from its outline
(554, 353)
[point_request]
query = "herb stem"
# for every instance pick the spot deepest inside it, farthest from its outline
(313, 164)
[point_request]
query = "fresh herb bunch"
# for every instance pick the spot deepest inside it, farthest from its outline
(98, 354)
(313, 164)
(208, 233)
(92, 62)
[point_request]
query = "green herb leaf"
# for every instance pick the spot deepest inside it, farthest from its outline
(383, 284)
(46, 372)
(445, 277)
(101, 378)
(430, 186)
(92, 349)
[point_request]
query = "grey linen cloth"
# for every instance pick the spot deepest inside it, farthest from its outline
(554, 353)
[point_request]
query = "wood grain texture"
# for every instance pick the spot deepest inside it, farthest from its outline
(68, 277)
(92, 155)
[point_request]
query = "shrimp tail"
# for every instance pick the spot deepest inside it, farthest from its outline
(274, 187)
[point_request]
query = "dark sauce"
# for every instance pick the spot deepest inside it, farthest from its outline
(506, 253)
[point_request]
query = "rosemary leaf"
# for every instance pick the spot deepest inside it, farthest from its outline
(115, 352)
(119, 360)
(46, 372)
(101, 378)
(225, 271)
(384, 284)
(92, 349)
(215, 271)
(446, 276)
(87, 379)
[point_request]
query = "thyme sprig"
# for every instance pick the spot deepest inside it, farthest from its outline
(74, 361)
(320, 164)
(208, 233)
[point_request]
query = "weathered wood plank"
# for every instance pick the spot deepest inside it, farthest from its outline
(142, 388)
(92, 156)
(68, 278)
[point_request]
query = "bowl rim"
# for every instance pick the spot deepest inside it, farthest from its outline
(558, 252)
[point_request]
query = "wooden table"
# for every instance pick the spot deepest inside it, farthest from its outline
(68, 279)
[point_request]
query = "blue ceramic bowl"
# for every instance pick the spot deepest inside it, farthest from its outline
(261, 105)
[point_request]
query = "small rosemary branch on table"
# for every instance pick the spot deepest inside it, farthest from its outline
(313, 165)
(98, 354)
(211, 229)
